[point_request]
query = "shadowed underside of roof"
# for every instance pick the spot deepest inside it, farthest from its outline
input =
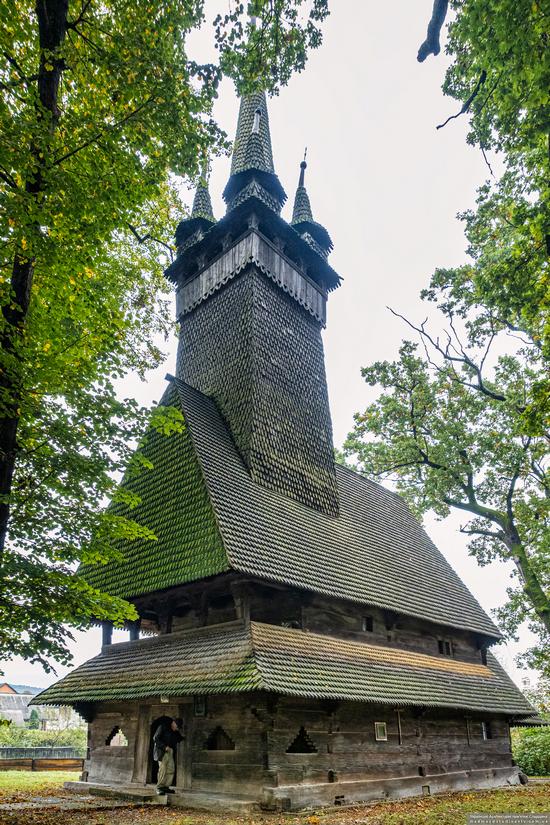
(209, 517)
(236, 658)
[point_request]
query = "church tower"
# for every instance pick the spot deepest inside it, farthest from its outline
(251, 303)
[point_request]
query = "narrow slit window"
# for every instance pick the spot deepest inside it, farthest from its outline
(368, 624)
(381, 731)
(199, 705)
(486, 731)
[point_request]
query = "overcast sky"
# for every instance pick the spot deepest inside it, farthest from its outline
(388, 187)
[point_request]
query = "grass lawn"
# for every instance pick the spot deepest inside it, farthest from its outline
(447, 809)
(21, 785)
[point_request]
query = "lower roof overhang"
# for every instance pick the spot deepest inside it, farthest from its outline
(238, 657)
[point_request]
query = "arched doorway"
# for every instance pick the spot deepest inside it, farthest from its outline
(152, 765)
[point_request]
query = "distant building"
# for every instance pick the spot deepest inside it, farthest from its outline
(14, 707)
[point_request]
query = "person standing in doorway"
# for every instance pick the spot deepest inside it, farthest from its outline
(166, 739)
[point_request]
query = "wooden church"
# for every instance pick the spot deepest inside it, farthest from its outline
(318, 646)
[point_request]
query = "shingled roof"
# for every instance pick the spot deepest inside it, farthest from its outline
(302, 218)
(245, 152)
(209, 516)
(236, 658)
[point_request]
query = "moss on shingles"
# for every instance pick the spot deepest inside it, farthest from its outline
(175, 505)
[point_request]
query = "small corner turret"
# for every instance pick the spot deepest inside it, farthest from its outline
(302, 218)
(191, 230)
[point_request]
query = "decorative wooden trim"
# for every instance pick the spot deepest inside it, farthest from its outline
(254, 249)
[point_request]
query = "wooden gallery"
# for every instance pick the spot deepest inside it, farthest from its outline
(317, 645)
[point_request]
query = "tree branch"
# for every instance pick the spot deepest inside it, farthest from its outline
(148, 237)
(72, 24)
(467, 103)
(472, 531)
(8, 179)
(461, 357)
(95, 138)
(431, 44)
(477, 510)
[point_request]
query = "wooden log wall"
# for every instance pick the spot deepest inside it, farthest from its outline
(253, 733)
(186, 607)
(347, 748)
(112, 763)
(241, 769)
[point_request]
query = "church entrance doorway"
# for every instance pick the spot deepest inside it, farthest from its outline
(152, 764)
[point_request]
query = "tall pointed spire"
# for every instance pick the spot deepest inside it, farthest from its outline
(253, 138)
(252, 169)
(302, 217)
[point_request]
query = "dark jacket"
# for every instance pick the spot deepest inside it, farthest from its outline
(163, 736)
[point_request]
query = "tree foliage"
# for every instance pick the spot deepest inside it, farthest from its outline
(531, 750)
(100, 107)
(462, 420)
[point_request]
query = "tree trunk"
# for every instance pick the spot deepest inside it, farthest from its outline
(531, 584)
(52, 21)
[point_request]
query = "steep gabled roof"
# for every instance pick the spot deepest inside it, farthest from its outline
(176, 506)
(237, 658)
(209, 516)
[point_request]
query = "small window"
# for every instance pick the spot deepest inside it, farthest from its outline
(116, 739)
(381, 731)
(483, 654)
(367, 624)
(486, 731)
(445, 647)
(302, 743)
(199, 705)
(219, 741)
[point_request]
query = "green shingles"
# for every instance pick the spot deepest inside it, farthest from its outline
(209, 516)
(374, 552)
(301, 211)
(176, 507)
(235, 658)
(202, 204)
